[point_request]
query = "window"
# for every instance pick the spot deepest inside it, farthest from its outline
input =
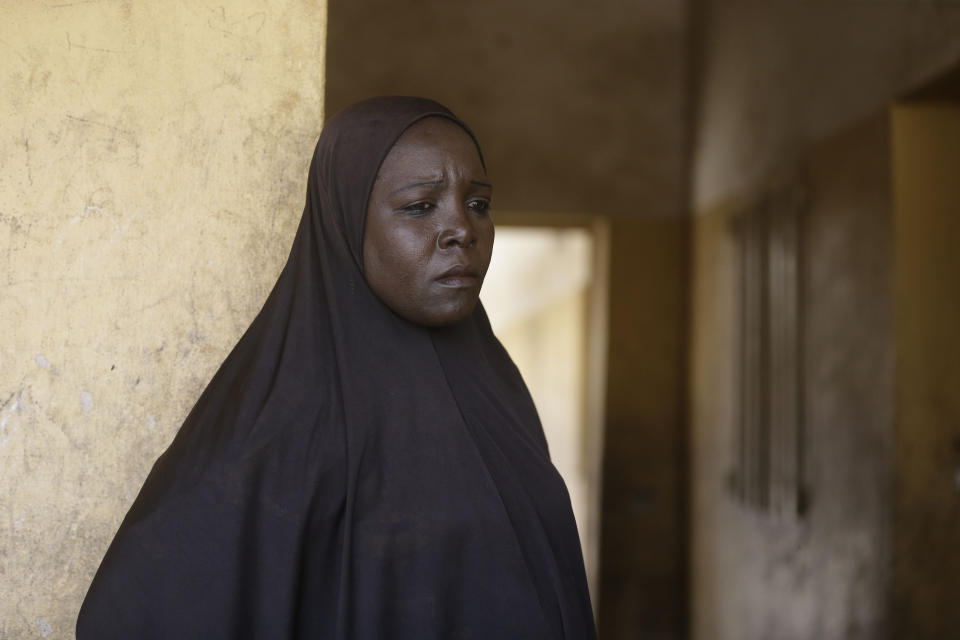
(769, 422)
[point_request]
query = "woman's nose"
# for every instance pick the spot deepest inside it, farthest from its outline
(457, 229)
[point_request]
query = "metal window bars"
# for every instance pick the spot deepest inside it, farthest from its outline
(769, 447)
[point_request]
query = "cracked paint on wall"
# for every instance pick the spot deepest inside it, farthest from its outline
(152, 174)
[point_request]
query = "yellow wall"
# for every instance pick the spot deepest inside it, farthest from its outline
(926, 565)
(153, 162)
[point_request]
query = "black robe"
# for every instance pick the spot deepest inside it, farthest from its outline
(348, 474)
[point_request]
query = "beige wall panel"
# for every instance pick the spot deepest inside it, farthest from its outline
(153, 160)
(926, 569)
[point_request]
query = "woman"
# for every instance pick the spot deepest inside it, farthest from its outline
(367, 462)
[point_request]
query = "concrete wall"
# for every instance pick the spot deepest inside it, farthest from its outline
(152, 172)
(580, 107)
(802, 89)
(772, 77)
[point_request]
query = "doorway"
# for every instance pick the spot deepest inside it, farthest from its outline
(545, 294)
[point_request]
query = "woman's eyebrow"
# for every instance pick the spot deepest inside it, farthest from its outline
(437, 181)
(417, 184)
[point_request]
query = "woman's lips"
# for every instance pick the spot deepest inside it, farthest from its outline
(459, 276)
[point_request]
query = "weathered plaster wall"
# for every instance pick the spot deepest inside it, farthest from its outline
(824, 577)
(803, 87)
(152, 169)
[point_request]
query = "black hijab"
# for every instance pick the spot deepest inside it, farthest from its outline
(348, 474)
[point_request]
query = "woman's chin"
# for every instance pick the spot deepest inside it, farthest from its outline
(448, 313)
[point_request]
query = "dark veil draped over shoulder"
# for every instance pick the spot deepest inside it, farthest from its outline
(348, 474)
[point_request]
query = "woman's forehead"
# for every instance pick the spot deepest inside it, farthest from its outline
(431, 141)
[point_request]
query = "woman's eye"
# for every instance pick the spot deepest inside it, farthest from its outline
(418, 207)
(481, 206)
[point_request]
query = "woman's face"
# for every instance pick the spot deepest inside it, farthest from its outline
(429, 235)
